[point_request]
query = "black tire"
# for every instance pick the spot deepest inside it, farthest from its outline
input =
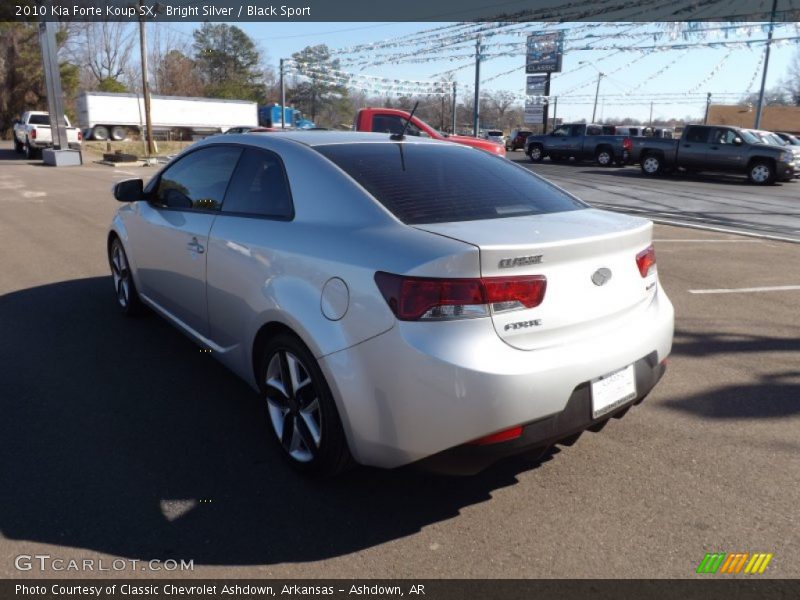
(652, 165)
(316, 444)
(18, 147)
(100, 133)
(31, 152)
(119, 133)
(604, 157)
(124, 286)
(536, 153)
(761, 172)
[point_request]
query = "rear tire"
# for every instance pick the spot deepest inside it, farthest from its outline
(302, 414)
(18, 147)
(536, 153)
(100, 133)
(761, 173)
(652, 165)
(119, 133)
(31, 152)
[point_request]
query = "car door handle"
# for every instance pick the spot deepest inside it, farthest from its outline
(196, 246)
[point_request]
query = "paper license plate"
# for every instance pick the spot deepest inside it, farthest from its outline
(613, 390)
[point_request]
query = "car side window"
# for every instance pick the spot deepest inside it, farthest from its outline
(392, 124)
(562, 131)
(698, 135)
(198, 180)
(578, 130)
(724, 136)
(594, 130)
(259, 186)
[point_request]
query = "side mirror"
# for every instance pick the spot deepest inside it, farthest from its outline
(129, 190)
(737, 141)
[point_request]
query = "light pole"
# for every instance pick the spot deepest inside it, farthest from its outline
(600, 76)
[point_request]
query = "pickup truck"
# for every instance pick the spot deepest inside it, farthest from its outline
(581, 141)
(392, 120)
(32, 133)
(715, 148)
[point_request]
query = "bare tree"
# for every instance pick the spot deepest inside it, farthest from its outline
(105, 50)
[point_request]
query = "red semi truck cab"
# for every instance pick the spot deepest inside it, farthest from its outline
(392, 120)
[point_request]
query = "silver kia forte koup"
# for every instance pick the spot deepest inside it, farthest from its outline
(394, 299)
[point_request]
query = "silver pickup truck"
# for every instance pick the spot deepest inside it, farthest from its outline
(32, 134)
(715, 148)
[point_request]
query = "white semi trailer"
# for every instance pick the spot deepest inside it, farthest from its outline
(106, 116)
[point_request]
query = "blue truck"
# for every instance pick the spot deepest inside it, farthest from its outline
(580, 141)
(270, 116)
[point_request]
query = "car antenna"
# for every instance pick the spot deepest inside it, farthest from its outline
(402, 134)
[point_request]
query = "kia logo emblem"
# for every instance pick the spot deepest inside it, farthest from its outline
(601, 276)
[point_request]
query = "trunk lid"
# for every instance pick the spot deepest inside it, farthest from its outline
(568, 248)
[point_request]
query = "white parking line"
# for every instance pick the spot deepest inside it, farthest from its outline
(775, 288)
(711, 241)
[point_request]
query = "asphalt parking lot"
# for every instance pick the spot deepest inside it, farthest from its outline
(120, 439)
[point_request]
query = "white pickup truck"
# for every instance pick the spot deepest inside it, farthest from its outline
(32, 133)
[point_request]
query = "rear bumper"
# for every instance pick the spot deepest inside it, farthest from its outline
(421, 388)
(564, 427)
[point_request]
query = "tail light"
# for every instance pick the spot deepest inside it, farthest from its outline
(80, 135)
(646, 261)
(423, 298)
(627, 144)
(33, 134)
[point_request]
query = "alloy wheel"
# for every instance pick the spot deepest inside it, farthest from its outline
(651, 165)
(294, 406)
(121, 274)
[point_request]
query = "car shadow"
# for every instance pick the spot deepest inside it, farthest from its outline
(121, 436)
(633, 172)
(774, 395)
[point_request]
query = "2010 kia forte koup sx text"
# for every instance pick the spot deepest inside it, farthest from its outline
(395, 300)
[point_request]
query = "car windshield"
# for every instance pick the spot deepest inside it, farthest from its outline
(440, 183)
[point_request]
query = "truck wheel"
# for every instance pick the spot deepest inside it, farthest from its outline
(100, 133)
(604, 157)
(536, 154)
(18, 147)
(30, 152)
(761, 173)
(119, 133)
(651, 165)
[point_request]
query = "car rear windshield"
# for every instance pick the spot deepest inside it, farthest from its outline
(440, 183)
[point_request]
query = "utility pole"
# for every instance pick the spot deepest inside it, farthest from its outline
(766, 65)
(283, 98)
(708, 104)
(596, 94)
(650, 123)
(546, 107)
(441, 97)
(454, 108)
(145, 88)
(555, 112)
(476, 111)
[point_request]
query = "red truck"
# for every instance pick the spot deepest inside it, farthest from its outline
(392, 120)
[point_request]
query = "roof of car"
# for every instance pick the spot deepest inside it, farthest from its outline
(322, 138)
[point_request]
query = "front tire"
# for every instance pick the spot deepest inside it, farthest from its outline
(124, 286)
(761, 173)
(301, 410)
(604, 157)
(536, 153)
